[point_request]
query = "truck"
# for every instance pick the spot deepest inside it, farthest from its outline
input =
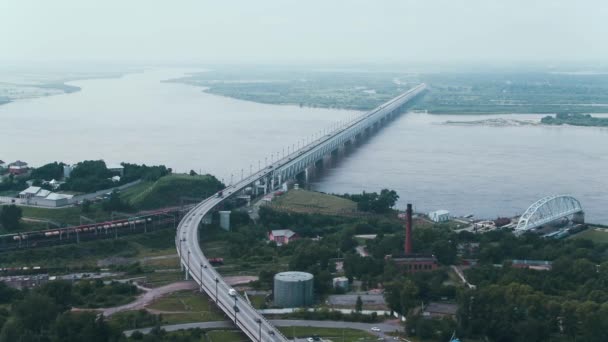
(220, 194)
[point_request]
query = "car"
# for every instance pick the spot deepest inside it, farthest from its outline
(376, 329)
(310, 339)
(232, 292)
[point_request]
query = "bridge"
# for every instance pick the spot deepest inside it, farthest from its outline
(192, 258)
(548, 209)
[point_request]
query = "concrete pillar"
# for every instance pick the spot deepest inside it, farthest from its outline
(225, 219)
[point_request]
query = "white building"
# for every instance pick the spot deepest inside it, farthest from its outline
(35, 195)
(29, 192)
(340, 282)
(439, 216)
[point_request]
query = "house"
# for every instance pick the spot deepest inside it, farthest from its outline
(439, 216)
(2, 165)
(282, 236)
(18, 168)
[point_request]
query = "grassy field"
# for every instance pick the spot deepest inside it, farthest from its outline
(314, 202)
(168, 191)
(599, 235)
(334, 334)
(70, 215)
(185, 307)
(235, 266)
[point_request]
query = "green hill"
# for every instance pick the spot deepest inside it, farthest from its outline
(167, 191)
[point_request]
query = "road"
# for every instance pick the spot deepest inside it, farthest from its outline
(384, 327)
(246, 318)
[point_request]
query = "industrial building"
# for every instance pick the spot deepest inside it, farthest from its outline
(439, 216)
(410, 262)
(293, 289)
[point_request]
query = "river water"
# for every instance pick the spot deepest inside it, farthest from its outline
(486, 171)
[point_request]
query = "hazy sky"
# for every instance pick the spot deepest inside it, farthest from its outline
(304, 31)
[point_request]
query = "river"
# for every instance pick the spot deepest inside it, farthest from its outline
(486, 171)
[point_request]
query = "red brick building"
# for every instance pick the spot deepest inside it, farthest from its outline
(282, 236)
(415, 263)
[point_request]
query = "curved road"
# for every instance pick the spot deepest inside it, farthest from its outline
(246, 318)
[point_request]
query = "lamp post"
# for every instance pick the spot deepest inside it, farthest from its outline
(216, 282)
(202, 266)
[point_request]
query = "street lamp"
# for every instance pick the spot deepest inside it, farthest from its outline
(188, 270)
(202, 266)
(216, 282)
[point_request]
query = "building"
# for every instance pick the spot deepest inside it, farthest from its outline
(35, 195)
(340, 283)
(293, 289)
(30, 192)
(440, 310)
(439, 216)
(410, 262)
(3, 165)
(416, 263)
(539, 265)
(116, 168)
(282, 236)
(18, 168)
(67, 170)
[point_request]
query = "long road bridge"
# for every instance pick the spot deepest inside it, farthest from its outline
(192, 258)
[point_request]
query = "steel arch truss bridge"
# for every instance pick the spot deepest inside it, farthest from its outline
(546, 210)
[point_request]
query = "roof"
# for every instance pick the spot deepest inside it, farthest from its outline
(115, 166)
(441, 308)
(54, 197)
(18, 163)
(531, 262)
(43, 193)
(293, 276)
(283, 232)
(31, 190)
(439, 212)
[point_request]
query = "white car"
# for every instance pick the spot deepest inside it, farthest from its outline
(376, 329)
(232, 292)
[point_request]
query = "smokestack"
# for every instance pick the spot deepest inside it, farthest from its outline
(408, 229)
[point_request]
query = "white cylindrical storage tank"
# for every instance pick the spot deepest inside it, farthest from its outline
(293, 289)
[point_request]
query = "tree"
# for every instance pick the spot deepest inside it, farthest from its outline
(10, 217)
(115, 203)
(408, 296)
(359, 304)
(48, 171)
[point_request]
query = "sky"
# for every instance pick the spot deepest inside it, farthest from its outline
(310, 31)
